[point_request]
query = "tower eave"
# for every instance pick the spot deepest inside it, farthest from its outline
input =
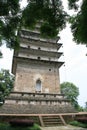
(35, 35)
(33, 61)
(40, 42)
(40, 52)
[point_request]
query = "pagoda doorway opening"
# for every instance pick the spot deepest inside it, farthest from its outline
(38, 86)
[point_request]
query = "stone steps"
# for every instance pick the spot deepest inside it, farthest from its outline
(53, 121)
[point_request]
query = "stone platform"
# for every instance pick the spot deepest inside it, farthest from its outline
(36, 103)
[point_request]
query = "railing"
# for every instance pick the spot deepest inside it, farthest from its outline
(36, 94)
(37, 98)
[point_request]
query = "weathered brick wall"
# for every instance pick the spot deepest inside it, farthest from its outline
(35, 109)
(27, 75)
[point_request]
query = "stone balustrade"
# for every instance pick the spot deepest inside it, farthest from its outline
(37, 94)
(37, 98)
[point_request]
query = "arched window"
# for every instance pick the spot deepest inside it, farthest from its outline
(38, 85)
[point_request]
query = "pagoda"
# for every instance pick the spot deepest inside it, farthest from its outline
(37, 82)
(36, 64)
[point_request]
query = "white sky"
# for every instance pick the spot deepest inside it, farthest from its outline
(75, 69)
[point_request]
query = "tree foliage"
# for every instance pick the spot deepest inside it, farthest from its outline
(51, 12)
(72, 4)
(79, 24)
(71, 92)
(9, 22)
(6, 84)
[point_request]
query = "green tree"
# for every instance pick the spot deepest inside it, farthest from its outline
(9, 22)
(6, 84)
(79, 24)
(51, 12)
(71, 92)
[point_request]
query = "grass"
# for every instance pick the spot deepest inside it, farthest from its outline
(78, 124)
(7, 126)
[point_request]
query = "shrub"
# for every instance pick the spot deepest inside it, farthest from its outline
(76, 123)
(21, 123)
(6, 126)
(35, 127)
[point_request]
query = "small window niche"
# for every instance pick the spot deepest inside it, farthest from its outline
(28, 47)
(39, 48)
(49, 69)
(38, 85)
(38, 58)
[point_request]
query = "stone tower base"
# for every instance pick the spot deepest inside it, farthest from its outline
(36, 103)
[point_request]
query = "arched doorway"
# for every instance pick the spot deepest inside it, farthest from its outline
(38, 85)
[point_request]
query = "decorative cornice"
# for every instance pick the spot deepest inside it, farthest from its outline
(24, 60)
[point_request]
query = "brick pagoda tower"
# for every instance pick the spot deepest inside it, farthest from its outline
(36, 64)
(37, 84)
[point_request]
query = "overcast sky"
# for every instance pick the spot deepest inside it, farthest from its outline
(75, 68)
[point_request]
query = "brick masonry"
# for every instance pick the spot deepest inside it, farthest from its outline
(27, 75)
